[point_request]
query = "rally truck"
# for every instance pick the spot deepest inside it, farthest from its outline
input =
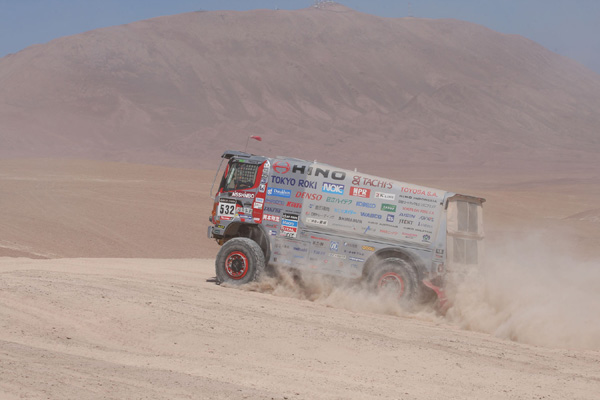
(309, 216)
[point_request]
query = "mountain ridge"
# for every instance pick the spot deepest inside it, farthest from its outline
(315, 84)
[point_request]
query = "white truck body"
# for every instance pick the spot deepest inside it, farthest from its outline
(308, 215)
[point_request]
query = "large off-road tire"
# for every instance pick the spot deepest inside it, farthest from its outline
(395, 277)
(239, 261)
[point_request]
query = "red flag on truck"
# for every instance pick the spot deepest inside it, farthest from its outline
(256, 138)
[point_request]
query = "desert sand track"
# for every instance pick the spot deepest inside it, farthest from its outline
(162, 329)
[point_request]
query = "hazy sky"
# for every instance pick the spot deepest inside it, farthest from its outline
(567, 27)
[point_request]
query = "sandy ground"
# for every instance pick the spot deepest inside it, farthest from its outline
(162, 329)
(107, 291)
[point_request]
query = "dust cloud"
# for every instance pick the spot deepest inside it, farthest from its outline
(529, 290)
(336, 293)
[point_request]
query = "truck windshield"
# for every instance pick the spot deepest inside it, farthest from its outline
(240, 176)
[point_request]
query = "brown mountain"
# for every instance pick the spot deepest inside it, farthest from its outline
(327, 83)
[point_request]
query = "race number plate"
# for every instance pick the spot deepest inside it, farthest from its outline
(226, 209)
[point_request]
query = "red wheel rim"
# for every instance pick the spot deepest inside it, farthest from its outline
(236, 265)
(391, 282)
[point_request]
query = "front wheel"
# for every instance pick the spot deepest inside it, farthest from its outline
(397, 278)
(239, 261)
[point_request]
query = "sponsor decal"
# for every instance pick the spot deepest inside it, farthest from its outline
(407, 215)
(293, 217)
(344, 211)
(439, 251)
(309, 196)
(389, 218)
(356, 259)
(425, 225)
(333, 188)
(405, 221)
(283, 181)
(307, 184)
(354, 253)
(365, 204)
(365, 181)
(425, 218)
(289, 222)
(409, 203)
(351, 245)
(336, 255)
(368, 248)
(427, 200)
(319, 238)
(370, 215)
(245, 195)
(279, 192)
(281, 167)
(409, 235)
(316, 221)
(418, 191)
(288, 231)
(419, 211)
(258, 205)
(385, 196)
(269, 217)
(388, 232)
(272, 232)
(259, 200)
(293, 204)
(245, 210)
(388, 207)
(426, 238)
(422, 230)
(322, 208)
(429, 203)
(360, 192)
(274, 201)
(339, 201)
(262, 187)
(273, 209)
(333, 246)
(325, 173)
(352, 220)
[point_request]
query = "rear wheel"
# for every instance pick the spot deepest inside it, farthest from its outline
(395, 277)
(239, 261)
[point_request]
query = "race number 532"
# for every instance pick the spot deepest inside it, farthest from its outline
(226, 209)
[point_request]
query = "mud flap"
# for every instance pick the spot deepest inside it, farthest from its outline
(443, 303)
